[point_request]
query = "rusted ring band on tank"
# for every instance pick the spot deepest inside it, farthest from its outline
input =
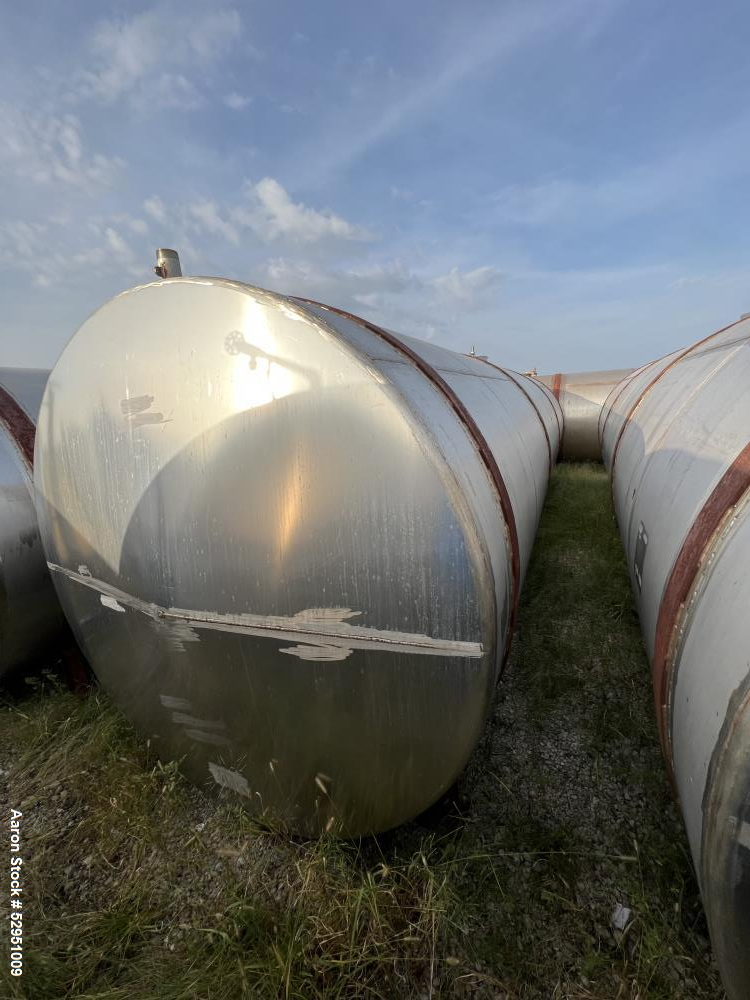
(649, 386)
(474, 432)
(682, 577)
(556, 383)
(509, 375)
(18, 425)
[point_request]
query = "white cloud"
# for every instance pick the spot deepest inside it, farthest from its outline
(52, 254)
(156, 208)
(21, 240)
(467, 286)
(171, 90)
(373, 285)
(237, 102)
(117, 244)
(141, 56)
(48, 148)
(273, 214)
(207, 215)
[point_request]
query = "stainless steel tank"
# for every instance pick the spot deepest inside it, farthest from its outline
(676, 440)
(30, 616)
(581, 395)
(290, 543)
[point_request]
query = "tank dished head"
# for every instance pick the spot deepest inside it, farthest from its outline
(261, 555)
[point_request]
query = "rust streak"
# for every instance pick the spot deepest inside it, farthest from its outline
(727, 492)
(20, 427)
(556, 383)
(475, 433)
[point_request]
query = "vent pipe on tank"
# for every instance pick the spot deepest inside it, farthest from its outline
(167, 263)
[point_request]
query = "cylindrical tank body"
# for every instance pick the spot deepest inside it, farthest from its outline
(581, 395)
(30, 615)
(676, 442)
(289, 542)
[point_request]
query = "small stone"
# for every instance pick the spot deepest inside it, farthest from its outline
(620, 917)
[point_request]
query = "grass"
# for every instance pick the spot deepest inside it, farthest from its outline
(138, 886)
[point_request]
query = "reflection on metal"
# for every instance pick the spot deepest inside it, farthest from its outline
(167, 263)
(316, 549)
(30, 616)
(676, 441)
(581, 395)
(527, 389)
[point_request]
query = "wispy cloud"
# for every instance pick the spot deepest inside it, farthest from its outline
(636, 190)
(237, 102)
(467, 286)
(272, 214)
(491, 41)
(145, 57)
(47, 148)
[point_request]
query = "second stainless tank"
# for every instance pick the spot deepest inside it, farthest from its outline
(676, 441)
(30, 615)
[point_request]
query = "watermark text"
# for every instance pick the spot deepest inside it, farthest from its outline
(16, 895)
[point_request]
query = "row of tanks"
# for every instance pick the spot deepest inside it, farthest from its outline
(290, 544)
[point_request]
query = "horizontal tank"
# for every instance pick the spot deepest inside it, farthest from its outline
(581, 395)
(676, 441)
(290, 543)
(30, 616)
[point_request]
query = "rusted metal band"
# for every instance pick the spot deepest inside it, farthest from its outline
(682, 577)
(475, 433)
(649, 386)
(556, 383)
(509, 375)
(19, 426)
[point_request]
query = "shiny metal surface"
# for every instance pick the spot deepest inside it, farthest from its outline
(30, 616)
(581, 395)
(280, 546)
(676, 440)
(168, 263)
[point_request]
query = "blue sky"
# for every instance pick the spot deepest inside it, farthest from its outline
(559, 184)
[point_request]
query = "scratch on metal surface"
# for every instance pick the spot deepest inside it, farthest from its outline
(189, 720)
(110, 602)
(202, 736)
(135, 411)
(137, 404)
(321, 626)
(325, 614)
(141, 419)
(321, 652)
(179, 704)
(228, 778)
